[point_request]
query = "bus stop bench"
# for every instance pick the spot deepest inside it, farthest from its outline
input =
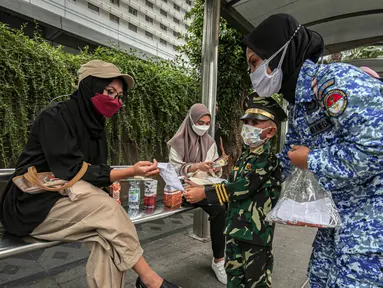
(11, 245)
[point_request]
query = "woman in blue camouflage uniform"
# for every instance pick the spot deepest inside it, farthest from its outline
(335, 131)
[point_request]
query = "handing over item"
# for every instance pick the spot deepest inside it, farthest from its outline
(168, 173)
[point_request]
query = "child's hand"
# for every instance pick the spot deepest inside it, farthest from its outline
(195, 194)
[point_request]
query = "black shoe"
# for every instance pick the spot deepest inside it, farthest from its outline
(164, 284)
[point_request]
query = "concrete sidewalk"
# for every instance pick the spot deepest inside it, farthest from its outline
(186, 261)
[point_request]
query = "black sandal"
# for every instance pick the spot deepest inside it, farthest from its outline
(165, 284)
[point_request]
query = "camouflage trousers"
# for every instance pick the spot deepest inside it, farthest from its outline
(248, 265)
(330, 270)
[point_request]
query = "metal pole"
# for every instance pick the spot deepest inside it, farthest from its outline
(209, 89)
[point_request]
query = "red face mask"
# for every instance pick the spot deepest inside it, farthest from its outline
(106, 106)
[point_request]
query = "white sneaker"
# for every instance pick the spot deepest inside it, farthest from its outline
(219, 270)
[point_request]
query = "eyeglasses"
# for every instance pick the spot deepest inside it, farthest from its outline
(113, 94)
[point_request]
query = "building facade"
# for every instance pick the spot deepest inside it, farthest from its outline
(152, 27)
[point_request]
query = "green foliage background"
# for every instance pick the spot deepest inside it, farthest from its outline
(33, 73)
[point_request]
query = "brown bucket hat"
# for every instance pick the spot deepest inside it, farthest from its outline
(102, 69)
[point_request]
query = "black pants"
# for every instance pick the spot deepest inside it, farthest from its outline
(217, 215)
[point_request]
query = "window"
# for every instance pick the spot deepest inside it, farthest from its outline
(176, 34)
(163, 27)
(189, 2)
(166, 1)
(114, 18)
(148, 19)
(163, 42)
(149, 4)
(115, 2)
(150, 35)
(132, 11)
(176, 7)
(175, 20)
(93, 8)
(164, 13)
(175, 47)
(132, 27)
(187, 27)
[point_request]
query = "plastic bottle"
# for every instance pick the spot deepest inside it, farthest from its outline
(134, 195)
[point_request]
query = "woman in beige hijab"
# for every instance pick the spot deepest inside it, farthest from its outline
(192, 152)
(192, 149)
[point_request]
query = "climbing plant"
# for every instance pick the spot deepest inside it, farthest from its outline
(33, 73)
(364, 52)
(233, 79)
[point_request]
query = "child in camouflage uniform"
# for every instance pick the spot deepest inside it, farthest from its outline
(251, 192)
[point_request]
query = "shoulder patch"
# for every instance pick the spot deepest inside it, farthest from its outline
(335, 101)
(324, 86)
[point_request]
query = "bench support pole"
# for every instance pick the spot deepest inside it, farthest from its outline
(209, 89)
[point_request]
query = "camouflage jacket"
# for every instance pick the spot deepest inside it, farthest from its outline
(252, 191)
(341, 120)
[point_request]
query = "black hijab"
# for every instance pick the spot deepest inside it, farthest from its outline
(269, 36)
(82, 109)
(87, 121)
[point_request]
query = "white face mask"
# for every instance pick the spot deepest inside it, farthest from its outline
(200, 130)
(252, 135)
(264, 84)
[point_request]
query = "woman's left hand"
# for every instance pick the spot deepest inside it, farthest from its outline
(195, 194)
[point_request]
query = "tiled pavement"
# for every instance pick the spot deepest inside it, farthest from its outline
(168, 249)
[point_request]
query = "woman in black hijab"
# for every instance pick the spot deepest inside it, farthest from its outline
(270, 36)
(62, 137)
(336, 132)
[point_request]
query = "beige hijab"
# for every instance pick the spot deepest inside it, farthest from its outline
(191, 147)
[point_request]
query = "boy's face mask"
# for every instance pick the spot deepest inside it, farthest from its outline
(252, 135)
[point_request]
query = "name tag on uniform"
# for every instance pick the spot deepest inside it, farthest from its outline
(321, 125)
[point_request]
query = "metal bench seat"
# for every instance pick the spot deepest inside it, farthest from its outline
(11, 245)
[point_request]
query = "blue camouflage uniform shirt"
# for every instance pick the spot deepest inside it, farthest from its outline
(341, 121)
